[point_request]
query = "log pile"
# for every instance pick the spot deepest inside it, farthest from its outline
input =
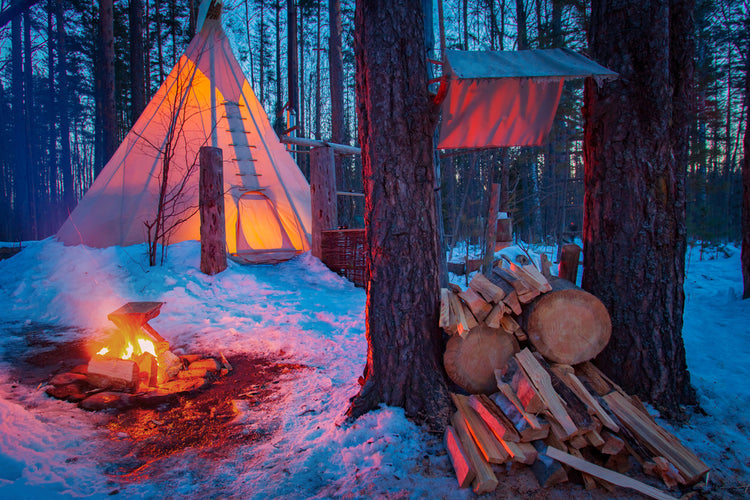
(521, 346)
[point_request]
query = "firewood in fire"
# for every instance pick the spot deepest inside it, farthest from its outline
(115, 374)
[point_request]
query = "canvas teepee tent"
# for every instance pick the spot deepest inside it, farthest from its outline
(205, 101)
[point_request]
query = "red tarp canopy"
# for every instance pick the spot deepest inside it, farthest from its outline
(502, 98)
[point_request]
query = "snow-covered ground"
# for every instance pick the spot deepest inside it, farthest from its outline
(305, 314)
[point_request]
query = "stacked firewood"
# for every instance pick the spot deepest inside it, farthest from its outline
(521, 347)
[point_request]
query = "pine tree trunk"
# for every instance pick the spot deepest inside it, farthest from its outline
(137, 80)
(396, 125)
(64, 164)
(32, 139)
(21, 200)
(634, 225)
(336, 80)
(292, 58)
(523, 41)
(107, 68)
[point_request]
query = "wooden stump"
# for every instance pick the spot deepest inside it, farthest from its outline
(471, 361)
(567, 325)
(323, 195)
(568, 266)
(211, 204)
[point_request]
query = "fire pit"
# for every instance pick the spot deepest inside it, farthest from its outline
(136, 366)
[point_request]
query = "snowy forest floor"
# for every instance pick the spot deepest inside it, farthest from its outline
(275, 428)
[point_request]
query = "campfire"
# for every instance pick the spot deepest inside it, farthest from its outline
(136, 366)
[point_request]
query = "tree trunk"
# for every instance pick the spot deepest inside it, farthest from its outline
(20, 179)
(396, 125)
(262, 54)
(64, 165)
(336, 78)
(292, 60)
(523, 41)
(746, 170)
(107, 68)
(33, 141)
(317, 75)
(634, 223)
(323, 195)
(137, 80)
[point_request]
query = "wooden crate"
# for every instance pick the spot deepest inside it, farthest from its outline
(343, 251)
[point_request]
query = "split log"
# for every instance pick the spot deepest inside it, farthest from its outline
(567, 325)
(479, 307)
(612, 444)
(445, 307)
(529, 427)
(588, 481)
(487, 289)
(496, 420)
(657, 439)
(516, 377)
(471, 321)
(494, 318)
(575, 384)
(485, 480)
(208, 364)
(511, 296)
(465, 472)
(547, 471)
(115, 374)
(606, 474)
(543, 384)
(488, 444)
(457, 310)
(471, 361)
(532, 277)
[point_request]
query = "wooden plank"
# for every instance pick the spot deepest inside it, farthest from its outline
(606, 474)
(488, 444)
(543, 383)
(575, 384)
(656, 439)
(479, 307)
(463, 466)
(485, 480)
(496, 420)
(487, 289)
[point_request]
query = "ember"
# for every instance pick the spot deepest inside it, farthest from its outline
(136, 366)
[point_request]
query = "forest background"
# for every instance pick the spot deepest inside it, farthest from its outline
(75, 75)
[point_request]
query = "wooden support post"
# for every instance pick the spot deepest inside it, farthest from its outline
(489, 251)
(323, 194)
(211, 206)
(568, 266)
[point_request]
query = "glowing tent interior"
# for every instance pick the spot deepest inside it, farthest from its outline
(205, 101)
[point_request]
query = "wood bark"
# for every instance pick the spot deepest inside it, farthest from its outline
(567, 268)
(32, 144)
(634, 223)
(323, 195)
(292, 60)
(137, 79)
(491, 232)
(523, 42)
(396, 125)
(211, 205)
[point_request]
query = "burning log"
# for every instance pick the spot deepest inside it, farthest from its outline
(115, 374)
